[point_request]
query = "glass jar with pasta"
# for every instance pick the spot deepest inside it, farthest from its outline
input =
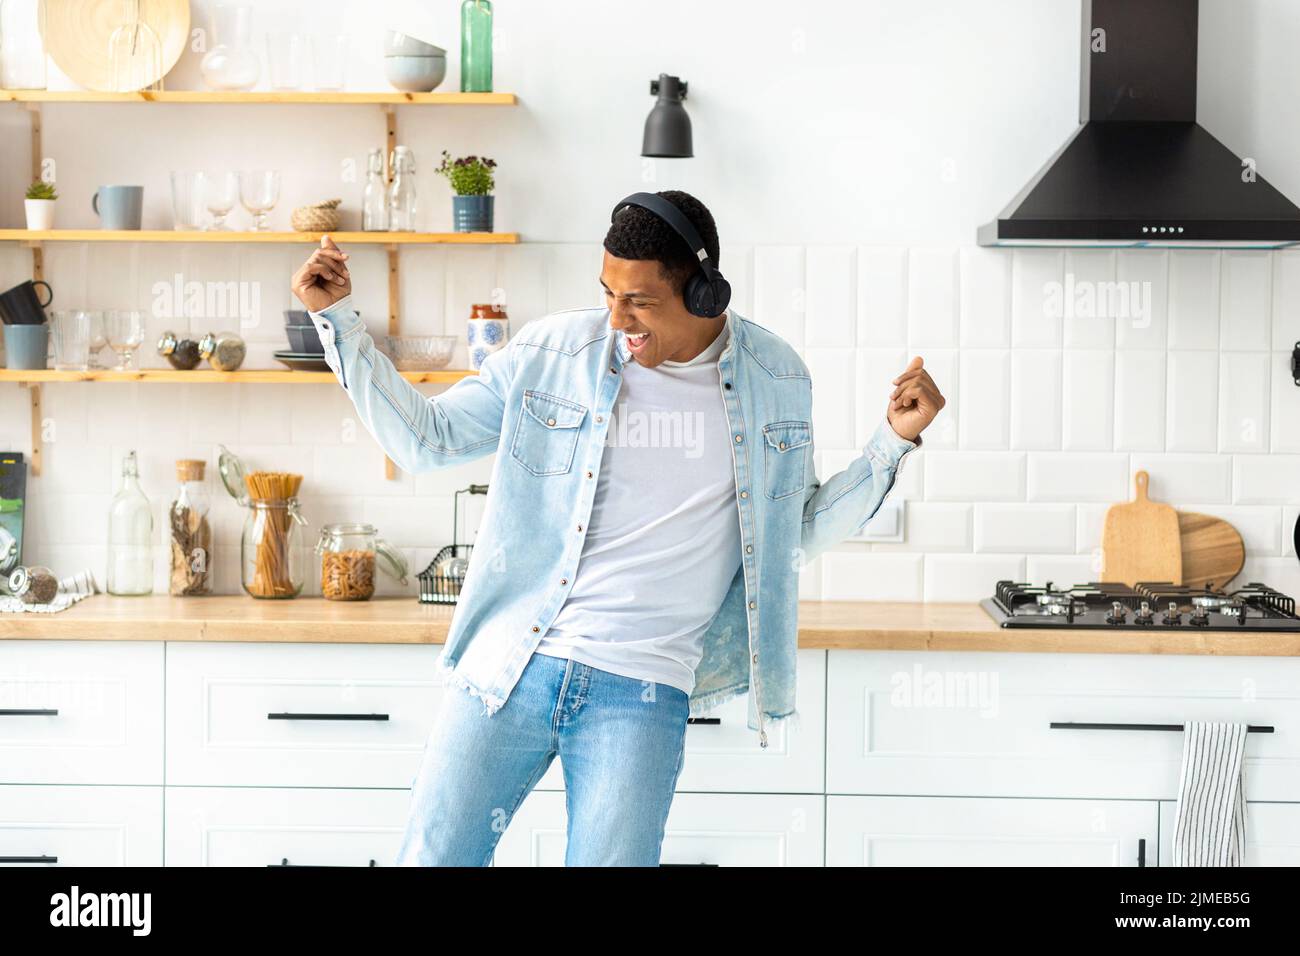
(349, 555)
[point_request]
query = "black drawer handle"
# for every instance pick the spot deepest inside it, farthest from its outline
(704, 720)
(284, 861)
(29, 712)
(688, 864)
(29, 859)
(1142, 852)
(1065, 725)
(326, 716)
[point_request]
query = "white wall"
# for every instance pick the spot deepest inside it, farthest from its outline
(848, 151)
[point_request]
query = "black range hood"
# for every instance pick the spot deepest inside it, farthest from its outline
(1140, 171)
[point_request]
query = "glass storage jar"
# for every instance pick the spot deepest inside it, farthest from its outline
(348, 555)
(271, 559)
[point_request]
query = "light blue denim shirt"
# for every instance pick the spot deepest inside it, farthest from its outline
(544, 403)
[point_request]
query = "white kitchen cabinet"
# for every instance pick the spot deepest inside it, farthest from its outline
(80, 826)
(978, 724)
(703, 829)
(272, 826)
(317, 715)
(81, 712)
(961, 831)
(723, 754)
(1272, 833)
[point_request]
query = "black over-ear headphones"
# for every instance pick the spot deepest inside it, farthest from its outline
(707, 293)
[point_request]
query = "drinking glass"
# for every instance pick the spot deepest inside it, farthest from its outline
(220, 193)
(259, 191)
(187, 200)
(97, 338)
(70, 335)
(286, 53)
(329, 59)
(124, 329)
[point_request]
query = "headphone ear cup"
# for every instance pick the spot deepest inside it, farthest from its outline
(705, 297)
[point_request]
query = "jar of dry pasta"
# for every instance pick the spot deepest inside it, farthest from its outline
(349, 555)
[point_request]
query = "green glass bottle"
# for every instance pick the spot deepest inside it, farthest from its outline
(476, 46)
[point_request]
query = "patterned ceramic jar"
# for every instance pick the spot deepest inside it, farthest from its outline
(486, 332)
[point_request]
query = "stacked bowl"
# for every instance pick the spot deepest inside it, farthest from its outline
(412, 65)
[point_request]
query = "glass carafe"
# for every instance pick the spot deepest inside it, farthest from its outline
(22, 50)
(135, 52)
(271, 559)
(130, 535)
(191, 532)
(374, 202)
(232, 64)
(401, 192)
(349, 553)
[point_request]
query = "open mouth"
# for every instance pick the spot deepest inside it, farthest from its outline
(636, 341)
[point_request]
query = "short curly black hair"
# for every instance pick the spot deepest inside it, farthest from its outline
(637, 233)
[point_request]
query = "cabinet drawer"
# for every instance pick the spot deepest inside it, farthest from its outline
(703, 829)
(270, 826)
(80, 826)
(723, 754)
(81, 712)
(320, 715)
(953, 831)
(977, 724)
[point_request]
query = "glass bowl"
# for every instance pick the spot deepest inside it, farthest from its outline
(420, 353)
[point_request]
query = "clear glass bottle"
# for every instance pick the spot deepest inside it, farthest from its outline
(135, 52)
(401, 192)
(271, 559)
(348, 554)
(130, 535)
(374, 202)
(476, 46)
(232, 64)
(191, 533)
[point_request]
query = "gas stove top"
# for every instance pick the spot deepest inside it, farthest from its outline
(1157, 605)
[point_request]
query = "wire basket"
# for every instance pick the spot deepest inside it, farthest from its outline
(438, 588)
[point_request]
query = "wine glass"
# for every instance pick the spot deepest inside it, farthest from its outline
(259, 191)
(124, 329)
(97, 338)
(220, 193)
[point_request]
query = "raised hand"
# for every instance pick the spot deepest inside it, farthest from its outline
(323, 278)
(915, 402)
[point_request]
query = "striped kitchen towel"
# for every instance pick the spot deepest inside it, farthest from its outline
(1210, 822)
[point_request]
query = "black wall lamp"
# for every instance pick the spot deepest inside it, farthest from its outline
(668, 127)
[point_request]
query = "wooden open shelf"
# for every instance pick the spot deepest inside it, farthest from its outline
(204, 375)
(181, 235)
(380, 97)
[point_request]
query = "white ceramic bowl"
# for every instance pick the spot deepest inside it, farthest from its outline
(420, 353)
(415, 74)
(399, 44)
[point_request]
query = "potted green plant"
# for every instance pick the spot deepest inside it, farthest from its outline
(39, 205)
(472, 178)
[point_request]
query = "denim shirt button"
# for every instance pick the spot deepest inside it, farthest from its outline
(755, 657)
(599, 419)
(749, 549)
(579, 527)
(752, 605)
(744, 494)
(536, 628)
(564, 580)
(739, 439)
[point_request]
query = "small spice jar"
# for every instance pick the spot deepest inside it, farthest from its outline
(348, 554)
(34, 584)
(181, 353)
(191, 532)
(224, 351)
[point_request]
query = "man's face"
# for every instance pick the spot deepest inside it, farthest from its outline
(650, 312)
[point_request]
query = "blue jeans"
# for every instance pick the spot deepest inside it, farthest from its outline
(621, 743)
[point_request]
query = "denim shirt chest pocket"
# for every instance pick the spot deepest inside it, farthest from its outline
(546, 434)
(785, 454)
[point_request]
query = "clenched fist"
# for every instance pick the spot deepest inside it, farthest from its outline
(323, 278)
(915, 402)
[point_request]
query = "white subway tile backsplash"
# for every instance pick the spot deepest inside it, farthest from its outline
(1192, 402)
(882, 296)
(1244, 399)
(1244, 317)
(779, 291)
(1139, 400)
(1063, 570)
(1037, 298)
(1023, 527)
(968, 577)
(985, 394)
(1183, 480)
(830, 316)
(1143, 320)
(1194, 299)
(932, 298)
(933, 526)
(1090, 278)
(876, 371)
(1285, 411)
(1265, 479)
(1091, 517)
(853, 575)
(1070, 476)
(1286, 299)
(985, 281)
(1036, 399)
(974, 476)
(942, 366)
(1088, 413)
(833, 390)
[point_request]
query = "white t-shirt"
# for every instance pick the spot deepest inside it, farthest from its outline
(663, 540)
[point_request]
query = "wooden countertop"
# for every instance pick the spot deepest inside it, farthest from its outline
(843, 625)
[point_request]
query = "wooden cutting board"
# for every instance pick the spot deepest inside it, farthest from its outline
(1140, 540)
(1212, 550)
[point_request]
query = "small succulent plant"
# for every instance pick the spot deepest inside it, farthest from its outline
(468, 175)
(39, 189)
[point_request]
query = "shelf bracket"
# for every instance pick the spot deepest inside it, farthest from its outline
(34, 389)
(394, 256)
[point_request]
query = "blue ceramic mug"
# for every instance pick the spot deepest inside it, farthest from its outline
(27, 346)
(118, 207)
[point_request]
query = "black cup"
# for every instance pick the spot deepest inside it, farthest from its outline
(21, 306)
